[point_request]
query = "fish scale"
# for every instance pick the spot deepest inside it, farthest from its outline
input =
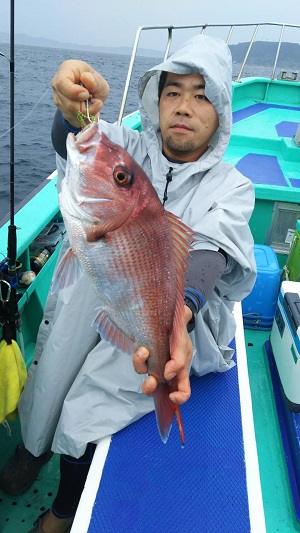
(151, 303)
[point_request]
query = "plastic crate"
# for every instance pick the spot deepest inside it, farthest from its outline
(260, 305)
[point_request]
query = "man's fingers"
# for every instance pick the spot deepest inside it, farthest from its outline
(96, 85)
(149, 385)
(184, 392)
(72, 85)
(66, 87)
(179, 397)
(140, 360)
(173, 367)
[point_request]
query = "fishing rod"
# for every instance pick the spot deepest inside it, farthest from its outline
(11, 304)
(13, 371)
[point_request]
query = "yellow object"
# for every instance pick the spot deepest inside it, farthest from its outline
(13, 376)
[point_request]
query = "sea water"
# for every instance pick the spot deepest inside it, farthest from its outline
(34, 156)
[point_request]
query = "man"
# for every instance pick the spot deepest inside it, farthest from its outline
(82, 390)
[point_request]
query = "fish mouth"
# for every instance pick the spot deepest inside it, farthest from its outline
(85, 144)
(90, 137)
(86, 200)
(86, 139)
(82, 148)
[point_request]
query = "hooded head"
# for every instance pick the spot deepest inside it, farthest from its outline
(210, 57)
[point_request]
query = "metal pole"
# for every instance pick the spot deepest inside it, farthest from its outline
(130, 68)
(277, 52)
(246, 56)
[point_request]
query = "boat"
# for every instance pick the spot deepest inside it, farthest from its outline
(265, 146)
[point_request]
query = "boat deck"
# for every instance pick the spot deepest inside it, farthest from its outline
(278, 503)
(211, 485)
(262, 147)
(18, 513)
(273, 163)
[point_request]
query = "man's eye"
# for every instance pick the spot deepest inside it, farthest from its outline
(172, 93)
(201, 97)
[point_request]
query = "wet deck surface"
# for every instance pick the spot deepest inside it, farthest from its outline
(17, 513)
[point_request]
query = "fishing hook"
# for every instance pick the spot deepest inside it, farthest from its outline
(87, 104)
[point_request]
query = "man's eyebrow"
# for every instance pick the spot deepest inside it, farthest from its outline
(180, 85)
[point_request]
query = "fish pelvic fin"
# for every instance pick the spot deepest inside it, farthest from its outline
(110, 332)
(68, 271)
(165, 410)
(182, 241)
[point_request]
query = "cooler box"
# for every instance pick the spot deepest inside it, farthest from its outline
(259, 306)
(285, 342)
(293, 262)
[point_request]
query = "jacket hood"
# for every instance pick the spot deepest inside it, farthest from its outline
(205, 55)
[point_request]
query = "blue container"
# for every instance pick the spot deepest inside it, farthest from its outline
(260, 305)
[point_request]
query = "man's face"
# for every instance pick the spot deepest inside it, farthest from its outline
(187, 119)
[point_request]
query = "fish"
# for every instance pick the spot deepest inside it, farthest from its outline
(133, 250)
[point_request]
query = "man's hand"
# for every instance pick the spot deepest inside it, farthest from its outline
(179, 365)
(68, 93)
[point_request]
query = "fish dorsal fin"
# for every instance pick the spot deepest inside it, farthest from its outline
(182, 241)
(68, 271)
(109, 332)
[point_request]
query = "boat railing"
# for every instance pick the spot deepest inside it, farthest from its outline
(202, 28)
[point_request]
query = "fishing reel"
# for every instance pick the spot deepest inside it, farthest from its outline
(9, 313)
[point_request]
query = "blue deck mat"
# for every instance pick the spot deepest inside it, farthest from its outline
(286, 128)
(262, 169)
(241, 114)
(295, 182)
(151, 487)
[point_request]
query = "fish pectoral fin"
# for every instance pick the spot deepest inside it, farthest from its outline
(97, 231)
(110, 332)
(68, 271)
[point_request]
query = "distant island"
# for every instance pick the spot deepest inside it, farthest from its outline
(21, 38)
(262, 52)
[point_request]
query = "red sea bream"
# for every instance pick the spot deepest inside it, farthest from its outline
(133, 250)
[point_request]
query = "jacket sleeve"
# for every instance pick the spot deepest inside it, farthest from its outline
(204, 270)
(220, 219)
(59, 132)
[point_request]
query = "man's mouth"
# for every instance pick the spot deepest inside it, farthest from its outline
(180, 127)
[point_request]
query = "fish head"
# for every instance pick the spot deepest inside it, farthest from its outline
(106, 185)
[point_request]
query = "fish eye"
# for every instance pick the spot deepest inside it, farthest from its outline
(122, 176)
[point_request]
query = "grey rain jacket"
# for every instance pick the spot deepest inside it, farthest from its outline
(82, 389)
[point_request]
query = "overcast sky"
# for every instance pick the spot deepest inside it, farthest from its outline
(114, 22)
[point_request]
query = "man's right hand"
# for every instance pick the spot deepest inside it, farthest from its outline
(68, 93)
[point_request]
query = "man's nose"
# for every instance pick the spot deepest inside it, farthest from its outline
(184, 106)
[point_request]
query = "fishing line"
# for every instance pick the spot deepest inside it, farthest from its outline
(34, 107)
(22, 120)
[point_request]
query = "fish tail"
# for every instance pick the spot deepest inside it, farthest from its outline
(165, 410)
(179, 423)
